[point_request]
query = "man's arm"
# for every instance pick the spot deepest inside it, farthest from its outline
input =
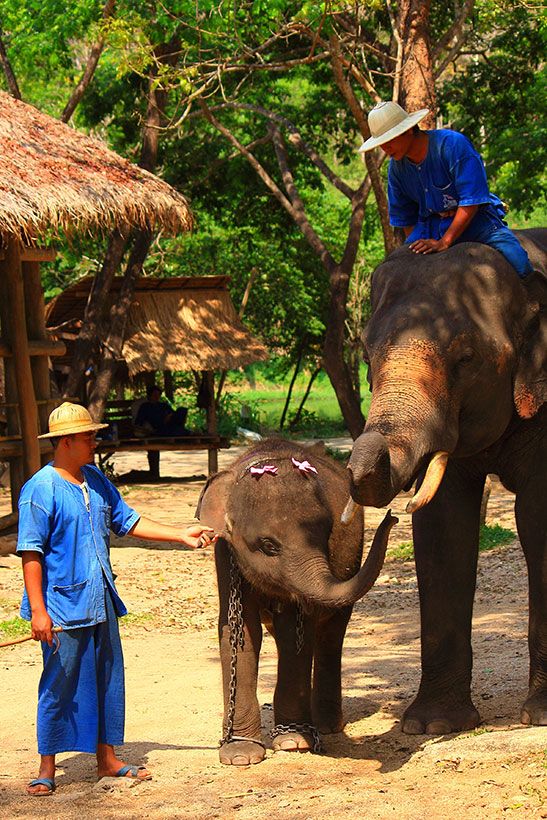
(194, 536)
(41, 624)
(462, 218)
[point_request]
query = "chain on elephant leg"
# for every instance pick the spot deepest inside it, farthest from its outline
(237, 750)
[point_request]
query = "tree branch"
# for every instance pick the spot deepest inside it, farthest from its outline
(454, 32)
(8, 70)
(296, 140)
(89, 71)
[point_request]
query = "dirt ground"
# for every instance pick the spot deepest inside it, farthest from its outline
(174, 704)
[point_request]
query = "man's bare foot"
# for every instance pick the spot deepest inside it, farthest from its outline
(46, 772)
(108, 765)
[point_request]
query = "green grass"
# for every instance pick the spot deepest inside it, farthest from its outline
(491, 536)
(402, 552)
(494, 535)
(14, 628)
(321, 416)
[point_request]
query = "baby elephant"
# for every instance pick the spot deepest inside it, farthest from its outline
(285, 559)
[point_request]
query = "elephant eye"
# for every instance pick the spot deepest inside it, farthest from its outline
(269, 547)
(467, 356)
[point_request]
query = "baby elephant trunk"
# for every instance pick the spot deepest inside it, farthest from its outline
(329, 591)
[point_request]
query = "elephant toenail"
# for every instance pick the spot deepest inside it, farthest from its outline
(412, 726)
(439, 727)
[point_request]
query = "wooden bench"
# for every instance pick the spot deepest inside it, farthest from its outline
(118, 414)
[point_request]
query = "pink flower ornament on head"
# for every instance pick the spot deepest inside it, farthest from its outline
(303, 466)
(266, 468)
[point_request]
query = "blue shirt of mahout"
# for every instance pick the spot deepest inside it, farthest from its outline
(73, 539)
(452, 174)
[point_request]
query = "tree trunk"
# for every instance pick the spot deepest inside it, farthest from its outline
(112, 348)
(300, 353)
(417, 81)
(85, 348)
(307, 392)
(118, 320)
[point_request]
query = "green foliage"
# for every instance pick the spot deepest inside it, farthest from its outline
(401, 552)
(14, 628)
(499, 99)
(494, 535)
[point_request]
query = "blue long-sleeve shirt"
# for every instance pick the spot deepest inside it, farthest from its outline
(451, 174)
(73, 538)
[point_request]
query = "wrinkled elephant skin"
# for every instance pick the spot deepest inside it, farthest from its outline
(457, 347)
(278, 510)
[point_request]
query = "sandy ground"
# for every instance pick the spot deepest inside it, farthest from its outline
(174, 704)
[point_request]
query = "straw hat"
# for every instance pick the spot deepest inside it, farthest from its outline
(388, 120)
(68, 419)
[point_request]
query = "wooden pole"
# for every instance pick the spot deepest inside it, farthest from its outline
(18, 338)
(212, 428)
(36, 329)
(17, 476)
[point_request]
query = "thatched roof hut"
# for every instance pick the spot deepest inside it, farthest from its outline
(179, 323)
(55, 178)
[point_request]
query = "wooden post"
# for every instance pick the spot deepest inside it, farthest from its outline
(212, 428)
(17, 476)
(36, 329)
(168, 385)
(18, 339)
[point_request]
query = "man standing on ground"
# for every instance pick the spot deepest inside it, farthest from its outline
(66, 512)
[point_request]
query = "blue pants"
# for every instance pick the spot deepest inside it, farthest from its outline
(81, 694)
(483, 228)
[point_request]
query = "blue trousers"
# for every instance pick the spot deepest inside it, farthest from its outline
(483, 228)
(81, 694)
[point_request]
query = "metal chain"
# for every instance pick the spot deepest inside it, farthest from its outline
(299, 628)
(300, 728)
(237, 640)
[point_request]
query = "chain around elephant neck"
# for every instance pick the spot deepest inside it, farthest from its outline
(237, 639)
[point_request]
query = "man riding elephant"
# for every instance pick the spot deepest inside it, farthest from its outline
(437, 187)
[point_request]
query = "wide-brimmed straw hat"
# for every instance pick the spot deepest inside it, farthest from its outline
(388, 120)
(68, 419)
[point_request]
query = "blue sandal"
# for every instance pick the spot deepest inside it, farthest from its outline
(42, 781)
(124, 771)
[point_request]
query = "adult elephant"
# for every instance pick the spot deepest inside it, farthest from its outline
(457, 350)
(278, 509)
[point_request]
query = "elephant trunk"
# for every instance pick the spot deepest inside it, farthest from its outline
(327, 590)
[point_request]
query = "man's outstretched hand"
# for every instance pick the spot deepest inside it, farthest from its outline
(197, 536)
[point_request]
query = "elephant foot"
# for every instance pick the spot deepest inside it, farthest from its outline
(330, 725)
(295, 737)
(242, 751)
(423, 718)
(534, 711)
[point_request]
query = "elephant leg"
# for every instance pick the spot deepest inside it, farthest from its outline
(292, 698)
(532, 528)
(246, 716)
(446, 536)
(327, 671)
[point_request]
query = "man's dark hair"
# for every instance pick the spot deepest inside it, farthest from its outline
(416, 129)
(152, 389)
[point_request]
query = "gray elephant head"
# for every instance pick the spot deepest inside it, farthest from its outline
(279, 507)
(457, 354)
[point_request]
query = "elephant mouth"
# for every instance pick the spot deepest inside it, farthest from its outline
(362, 495)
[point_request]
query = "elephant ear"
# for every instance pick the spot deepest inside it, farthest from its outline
(211, 508)
(530, 387)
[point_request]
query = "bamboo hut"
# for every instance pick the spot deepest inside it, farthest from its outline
(174, 324)
(178, 323)
(55, 180)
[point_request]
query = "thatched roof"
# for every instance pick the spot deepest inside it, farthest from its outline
(54, 178)
(182, 323)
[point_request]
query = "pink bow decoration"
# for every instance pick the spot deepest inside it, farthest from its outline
(303, 466)
(267, 468)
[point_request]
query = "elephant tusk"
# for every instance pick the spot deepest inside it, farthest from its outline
(432, 479)
(349, 512)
